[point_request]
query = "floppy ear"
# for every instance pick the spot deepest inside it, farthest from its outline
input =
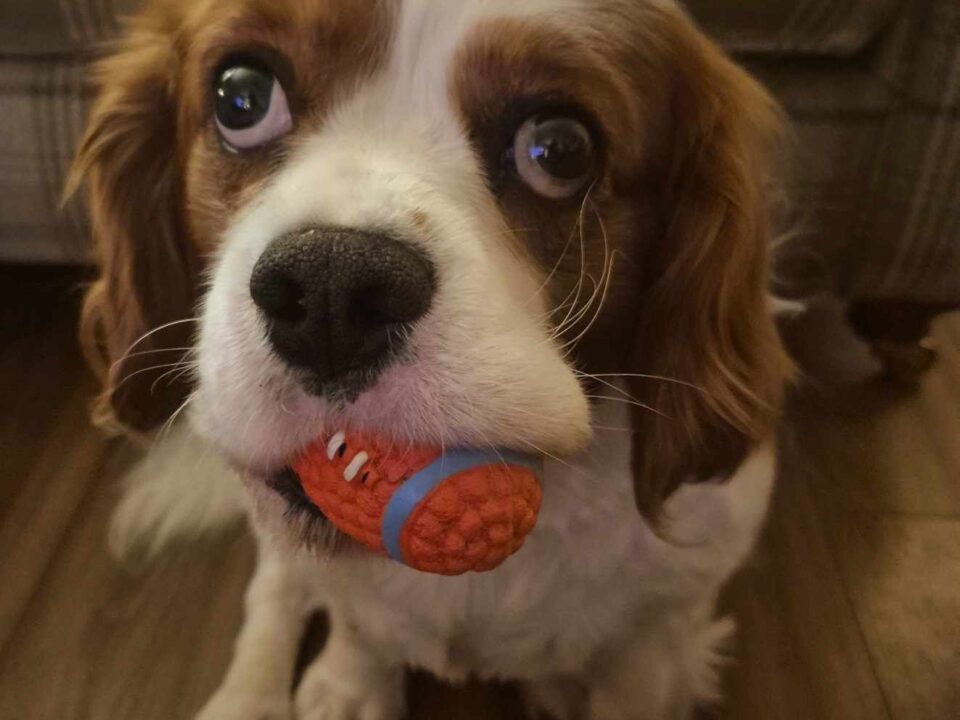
(147, 268)
(706, 320)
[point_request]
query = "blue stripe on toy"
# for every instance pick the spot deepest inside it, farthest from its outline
(409, 495)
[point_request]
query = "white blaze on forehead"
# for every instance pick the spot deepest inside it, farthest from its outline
(430, 32)
(427, 35)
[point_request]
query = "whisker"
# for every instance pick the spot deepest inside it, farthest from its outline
(579, 315)
(149, 352)
(158, 329)
(583, 255)
(567, 302)
(177, 373)
(627, 401)
(168, 425)
(606, 276)
(556, 267)
(543, 452)
(642, 376)
(571, 344)
(600, 288)
(152, 368)
(615, 388)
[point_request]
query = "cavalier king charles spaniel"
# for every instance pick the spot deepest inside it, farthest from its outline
(537, 225)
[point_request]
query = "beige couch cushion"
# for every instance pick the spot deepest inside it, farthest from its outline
(812, 27)
(32, 28)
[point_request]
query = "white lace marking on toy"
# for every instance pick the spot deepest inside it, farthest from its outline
(336, 442)
(355, 465)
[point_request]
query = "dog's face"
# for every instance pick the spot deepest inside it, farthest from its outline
(443, 222)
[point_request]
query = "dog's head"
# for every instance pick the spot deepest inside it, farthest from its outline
(447, 222)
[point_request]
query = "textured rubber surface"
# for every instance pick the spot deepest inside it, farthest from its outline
(473, 520)
(470, 520)
(337, 300)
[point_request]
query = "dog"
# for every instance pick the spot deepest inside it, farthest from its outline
(541, 226)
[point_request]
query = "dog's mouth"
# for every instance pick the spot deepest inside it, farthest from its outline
(338, 475)
(314, 529)
(286, 484)
(444, 511)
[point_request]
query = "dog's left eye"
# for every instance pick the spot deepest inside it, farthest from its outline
(251, 107)
(555, 156)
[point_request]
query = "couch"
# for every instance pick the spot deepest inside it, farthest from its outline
(872, 87)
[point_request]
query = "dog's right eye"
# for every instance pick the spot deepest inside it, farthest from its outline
(251, 107)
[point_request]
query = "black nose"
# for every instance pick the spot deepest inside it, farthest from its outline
(337, 301)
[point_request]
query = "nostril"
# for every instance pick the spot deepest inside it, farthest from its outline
(371, 307)
(280, 297)
(291, 304)
(401, 296)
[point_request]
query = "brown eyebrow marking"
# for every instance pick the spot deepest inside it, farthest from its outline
(321, 51)
(327, 46)
(504, 59)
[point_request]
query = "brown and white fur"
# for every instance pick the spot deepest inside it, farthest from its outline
(626, 335)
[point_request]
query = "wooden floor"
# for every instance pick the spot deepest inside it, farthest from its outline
(850, 611)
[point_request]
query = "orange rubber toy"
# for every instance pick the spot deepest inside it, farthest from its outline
(446, 513)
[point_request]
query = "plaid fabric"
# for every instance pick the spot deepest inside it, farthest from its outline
(814, 27)
(876, 174)
(59, 27)
(44, 94)
(876, 184)
(42, 103)
(910, 232)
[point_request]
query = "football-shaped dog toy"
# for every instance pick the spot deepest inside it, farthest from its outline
(441, 512)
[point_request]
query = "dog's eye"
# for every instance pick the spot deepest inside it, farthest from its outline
(251, 107)
(554, 156)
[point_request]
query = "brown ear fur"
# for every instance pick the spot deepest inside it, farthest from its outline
(147, 268)
(706, 319)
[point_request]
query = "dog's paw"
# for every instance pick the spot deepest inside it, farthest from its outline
(323, 695)
(711, 656)
(240, 705)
